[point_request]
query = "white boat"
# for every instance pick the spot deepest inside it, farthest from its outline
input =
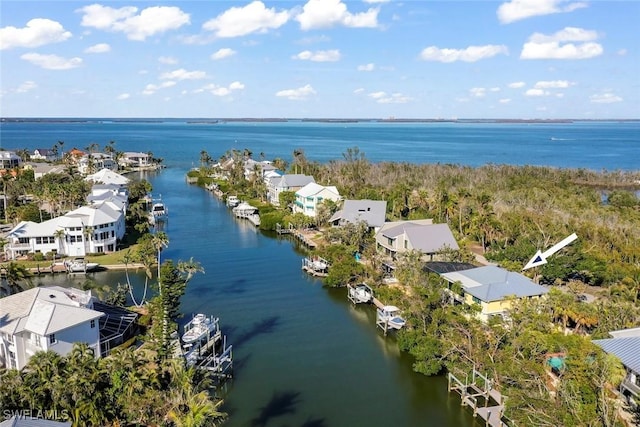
(199, 328)
(389, 315)
(233, 201)
(159, 211)
(80, 265)
(361, 293)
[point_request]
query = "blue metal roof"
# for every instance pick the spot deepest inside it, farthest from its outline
(626, 349)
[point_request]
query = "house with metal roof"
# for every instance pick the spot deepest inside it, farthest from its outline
(287, 182)
(46, 154)
(423, 236)
(372, 212)
(42, 319)
(311, 195)
(492, 288)
(625, 345)
(107, 176)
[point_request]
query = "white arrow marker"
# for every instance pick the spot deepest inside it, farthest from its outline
(540, 258)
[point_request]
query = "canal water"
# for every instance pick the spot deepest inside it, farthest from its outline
(303, 356)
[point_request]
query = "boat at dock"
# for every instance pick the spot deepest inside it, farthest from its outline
(80, 265)
(245, 210)
(316, 266)
(360, 293)
(388, 317)
(159, 211)
(233, 201)
(200, 328)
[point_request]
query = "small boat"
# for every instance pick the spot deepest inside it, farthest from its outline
(233, 201)
(159, 211)
(389, 315)
(199, 328)
(361, 293)
(80, 265)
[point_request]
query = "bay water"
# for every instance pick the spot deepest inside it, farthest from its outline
(303, 355)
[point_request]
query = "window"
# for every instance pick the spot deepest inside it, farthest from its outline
(390, 241)
(37, 341)
(476, 300)
(93, 323)
(52, 339)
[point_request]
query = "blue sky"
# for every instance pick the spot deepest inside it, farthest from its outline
(321, 58)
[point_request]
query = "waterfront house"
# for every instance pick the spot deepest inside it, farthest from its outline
(45, 154)
(134, 159)
(423, 236)
(42, 319)
(91, 162)
(492, 288)
(625, 345)
(252, 167)
(9, 160)
(311, 195)
(372, 212)
(287, 182)
(41, 169)
(88, 229)
(107, 176)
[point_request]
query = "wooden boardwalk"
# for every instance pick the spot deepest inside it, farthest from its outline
(479, 394)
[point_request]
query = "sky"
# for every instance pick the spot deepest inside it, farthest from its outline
(517, 59)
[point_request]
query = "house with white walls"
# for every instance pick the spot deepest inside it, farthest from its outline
(311, 195)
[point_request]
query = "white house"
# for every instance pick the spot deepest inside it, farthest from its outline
(135, 159)
(312, 194)
(42, 319)
(88, 229)
(46, 154)
(419, 235)
(107, 176)
(96, 161)
(9, 160)
(288, 182)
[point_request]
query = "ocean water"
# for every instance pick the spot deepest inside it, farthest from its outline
(303, 355)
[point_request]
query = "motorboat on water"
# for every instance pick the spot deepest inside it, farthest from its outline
(233, 201)
(389, 315)
(159, 211)
(80, 265)
(199, 328)
(361, 293)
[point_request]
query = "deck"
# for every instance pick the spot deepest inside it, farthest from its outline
(479, 394)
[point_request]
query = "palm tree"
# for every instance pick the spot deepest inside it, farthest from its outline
(87, 232)
(190, 268)
(60, 236)
(15, 276)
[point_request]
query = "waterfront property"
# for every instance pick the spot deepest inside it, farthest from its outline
(492, 288)
(372, 212)
(245, 210)
(134, 159)
(42, 319)
(46, 154)
(311, 195)
(107, 176)
(288, 182)
(625, 344)
(423, 236)
(9, 160)
(96, 161)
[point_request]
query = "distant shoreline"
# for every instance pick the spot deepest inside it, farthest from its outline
(292, 120)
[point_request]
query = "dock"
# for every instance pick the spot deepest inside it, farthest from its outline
(479, 394)
(297, 234)
(316, 266)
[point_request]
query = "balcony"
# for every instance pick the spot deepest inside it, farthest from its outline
(631, 387)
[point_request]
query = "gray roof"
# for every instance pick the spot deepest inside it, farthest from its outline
(492, 283)
(429, 238)
(293, 180)
(626, 349)
(373, 212)
(31, 422)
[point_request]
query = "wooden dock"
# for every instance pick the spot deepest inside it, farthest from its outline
(316, 266)
(479, 394)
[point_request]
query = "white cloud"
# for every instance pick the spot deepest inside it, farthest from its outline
(504, 101)
(328, 13)
(555, 84)
(494, 89)
(516, 85)
(319, 55)
(182, 74)
(605, 98)
(240, 21)
(516, 10)
(150, 21)
(223, 53)
(26, 86)
(98, 48)
(151, 88)
(537, 92)
(167, 60)
(314, 39)
(359, 90)
(478, 92)
(393, 98)
(298, 94)
(123, 96)
(559, 46)
(218, 90)
(622, 52)
(51, 62)
(470, 54)
(38, 32)
(366, 67)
